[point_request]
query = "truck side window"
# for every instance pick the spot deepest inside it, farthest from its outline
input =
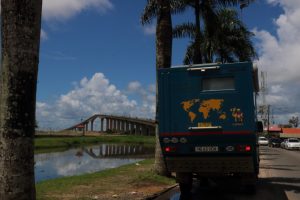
(218, 83)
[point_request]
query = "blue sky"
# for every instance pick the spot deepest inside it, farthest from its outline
(97, 58)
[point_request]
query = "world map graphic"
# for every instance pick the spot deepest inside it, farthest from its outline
(206, 107)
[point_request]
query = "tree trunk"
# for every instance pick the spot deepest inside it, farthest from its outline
(164, 35)
(163, 60)
(21, 23)
(197, 59)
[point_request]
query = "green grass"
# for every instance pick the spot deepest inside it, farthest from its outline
(43, 143)
(121, 180)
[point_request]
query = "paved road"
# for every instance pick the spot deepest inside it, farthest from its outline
(279, 179)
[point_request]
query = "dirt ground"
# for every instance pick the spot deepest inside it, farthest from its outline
(126, 183)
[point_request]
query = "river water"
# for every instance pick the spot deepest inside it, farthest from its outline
(88, 160)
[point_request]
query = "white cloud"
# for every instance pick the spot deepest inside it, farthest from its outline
(95, 96)
(276, 89)
(149, 29)
(147, 95)
(64, 9)
(280, 59)
(134, 86)
(152, 88)
(61, 10)
(44, 35)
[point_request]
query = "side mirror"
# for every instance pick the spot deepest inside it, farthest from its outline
(259, 126)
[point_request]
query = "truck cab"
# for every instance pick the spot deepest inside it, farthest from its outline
(207, 121)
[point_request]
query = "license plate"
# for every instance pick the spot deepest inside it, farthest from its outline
(207, 149)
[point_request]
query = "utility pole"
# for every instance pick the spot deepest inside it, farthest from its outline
(263, 90)
(268, 121)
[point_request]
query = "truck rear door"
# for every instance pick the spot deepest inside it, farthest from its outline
(210, 105)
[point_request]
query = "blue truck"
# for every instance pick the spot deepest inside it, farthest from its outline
(207, 122)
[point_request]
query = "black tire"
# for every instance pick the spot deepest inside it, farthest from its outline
(185, 189)
(250, 189)
(249, 184)
(204, 182)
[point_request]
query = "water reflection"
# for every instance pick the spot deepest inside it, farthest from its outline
(117, 151)
(87, 160)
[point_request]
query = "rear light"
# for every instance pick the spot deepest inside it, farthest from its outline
(170, 149)
(248, 148)
(243, 148)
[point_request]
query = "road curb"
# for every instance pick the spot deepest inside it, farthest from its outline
(153, 196)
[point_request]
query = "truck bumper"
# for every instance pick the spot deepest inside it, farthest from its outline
(215, 166)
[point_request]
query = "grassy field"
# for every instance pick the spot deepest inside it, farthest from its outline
(60, 143)
(132, 181)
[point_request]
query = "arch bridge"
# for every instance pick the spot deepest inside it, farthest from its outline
(116, 124)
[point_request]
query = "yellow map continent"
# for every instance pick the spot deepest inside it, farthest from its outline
(209, 105)
(188, 104)
(192, 116)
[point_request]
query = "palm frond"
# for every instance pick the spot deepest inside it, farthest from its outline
(184, 30)
(178, 6)
(149, 12)
(151, 9)
(189, 54)
(232, 40)
(226, 3)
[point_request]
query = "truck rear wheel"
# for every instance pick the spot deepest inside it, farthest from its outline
(249, 184)
(250, 189)
(185, 190)
(185, 181)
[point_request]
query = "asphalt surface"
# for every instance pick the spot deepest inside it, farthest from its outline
(279, 179)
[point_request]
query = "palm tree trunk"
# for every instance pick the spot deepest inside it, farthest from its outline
(163, 60)
(197, 59)
(21, 23)
(164, 35)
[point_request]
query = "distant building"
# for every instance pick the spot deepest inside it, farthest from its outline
(80, 127)
(290, 133)
(274, 130)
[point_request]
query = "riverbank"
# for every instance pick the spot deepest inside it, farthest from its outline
(134, 181)
(48, 143)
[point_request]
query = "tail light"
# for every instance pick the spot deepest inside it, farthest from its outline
(170, 149)
(248, 148)
(243, 148)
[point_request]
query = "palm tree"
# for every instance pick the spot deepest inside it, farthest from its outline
(204, 10)
(21, 23)
(160, 9)
(230, 42)
(193, 30)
